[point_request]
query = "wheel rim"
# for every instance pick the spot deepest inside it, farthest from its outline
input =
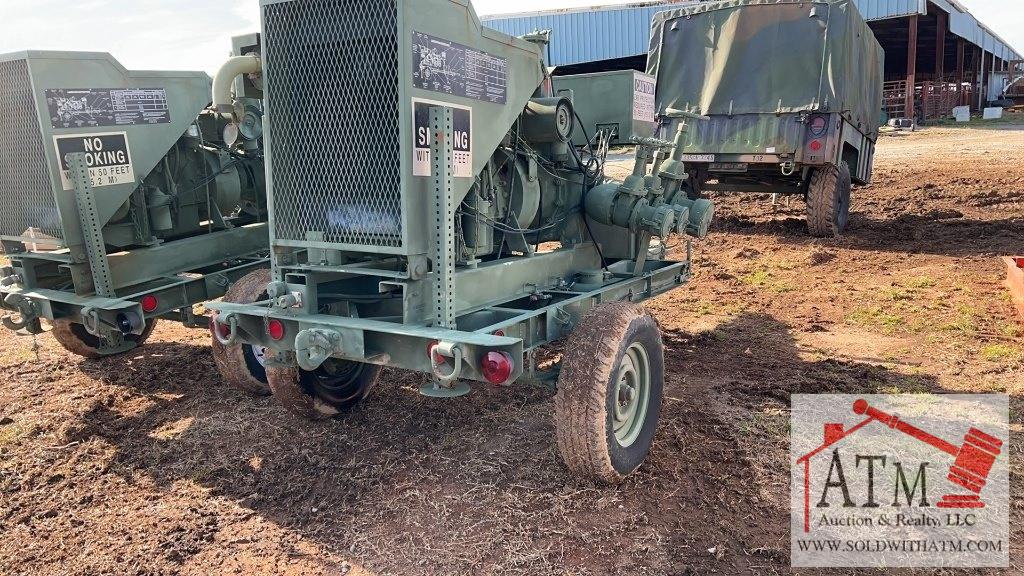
(632, 395)
(259, 353)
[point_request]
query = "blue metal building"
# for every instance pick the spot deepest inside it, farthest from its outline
(949, 43)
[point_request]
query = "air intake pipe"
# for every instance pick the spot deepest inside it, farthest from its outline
(223, 101)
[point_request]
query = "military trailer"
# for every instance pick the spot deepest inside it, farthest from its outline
(424, 164)
(794, 92)
(618, 104)
(124, 198)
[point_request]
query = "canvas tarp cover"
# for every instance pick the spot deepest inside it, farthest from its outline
(768, 56)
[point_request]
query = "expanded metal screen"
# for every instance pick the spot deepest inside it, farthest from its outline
(333, 111)
(27, 204)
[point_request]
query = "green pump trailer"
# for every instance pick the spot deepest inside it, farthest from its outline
(793, 89)
(424, 165)
(124, 197)
(618, 104)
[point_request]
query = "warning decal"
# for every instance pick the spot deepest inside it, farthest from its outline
(643, 98)
(448, 67)
(462, 129)
(107, 155)
(90, 107)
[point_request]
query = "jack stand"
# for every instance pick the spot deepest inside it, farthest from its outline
(435, 389)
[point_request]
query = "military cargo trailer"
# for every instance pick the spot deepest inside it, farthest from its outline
(619, 104)
(124, 203)
(425, 165)
(794, 92)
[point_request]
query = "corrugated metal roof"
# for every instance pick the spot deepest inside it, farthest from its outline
(620, 31)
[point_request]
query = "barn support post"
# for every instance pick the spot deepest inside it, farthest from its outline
(960, 71)
(983, 89)
(908, 109)
(942, 22)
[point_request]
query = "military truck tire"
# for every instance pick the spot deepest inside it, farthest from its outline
(77, 340)
(609, 392)
(241, 365)
(327, 392)
(828, 201)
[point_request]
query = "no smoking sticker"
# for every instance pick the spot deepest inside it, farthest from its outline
(462, 134)
(107, 156)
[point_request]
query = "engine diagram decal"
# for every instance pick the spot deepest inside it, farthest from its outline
(107, 155)
(94, 107)
(462, 126)
(450, 68)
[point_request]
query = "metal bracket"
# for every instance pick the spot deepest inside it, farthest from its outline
(444, 216)
(92, 228)
(313, 347)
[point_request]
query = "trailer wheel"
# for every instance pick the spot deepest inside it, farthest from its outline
(828, 200)
(77, 340)
(241, 365)
(327, 392)
(609, 392)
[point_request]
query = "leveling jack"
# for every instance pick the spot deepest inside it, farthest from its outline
(973, 462)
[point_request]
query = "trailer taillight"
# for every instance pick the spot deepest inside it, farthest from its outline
(275, 329)
(497, 367)
(815, 145)
(149, 303)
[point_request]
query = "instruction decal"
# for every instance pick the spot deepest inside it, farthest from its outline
(450, 68)
(94, 107)
(107, 155)
(462, 129)
(643, 98)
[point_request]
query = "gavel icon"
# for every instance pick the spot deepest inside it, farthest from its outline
(973, 461)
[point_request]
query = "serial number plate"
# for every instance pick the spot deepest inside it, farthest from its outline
(728, 167)
(698, 158)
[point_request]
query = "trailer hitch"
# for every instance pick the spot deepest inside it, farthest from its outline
(28, 314)
(314, 346)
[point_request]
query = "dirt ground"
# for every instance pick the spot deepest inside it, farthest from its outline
(147, 464)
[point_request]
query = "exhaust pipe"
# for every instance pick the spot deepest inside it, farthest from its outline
(223, 101)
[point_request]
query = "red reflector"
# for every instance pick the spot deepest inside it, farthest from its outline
(815, 145)
(275, 329)
(499, 333)
(149, 303)
(497, 367)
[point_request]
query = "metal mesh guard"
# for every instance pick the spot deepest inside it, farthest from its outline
(27, 205)
(333, 113)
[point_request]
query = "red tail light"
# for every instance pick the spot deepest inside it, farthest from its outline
(815, 145)
(275, 329)
(149, 303)
(497, 367)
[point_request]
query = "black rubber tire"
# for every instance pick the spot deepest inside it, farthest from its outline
(77, 340)
(585, 401)
(237, 364)
(828, 200)
(323, 393)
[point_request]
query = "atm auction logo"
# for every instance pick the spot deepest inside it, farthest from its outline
(912, 480)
